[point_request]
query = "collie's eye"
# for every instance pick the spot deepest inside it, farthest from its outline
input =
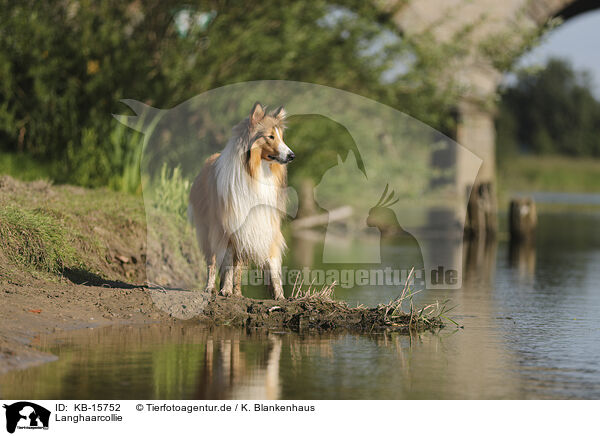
(271, 137)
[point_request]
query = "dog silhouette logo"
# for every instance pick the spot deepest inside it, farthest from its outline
(26, 415)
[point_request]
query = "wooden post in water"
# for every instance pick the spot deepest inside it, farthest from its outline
(522, 219)
(481, 212)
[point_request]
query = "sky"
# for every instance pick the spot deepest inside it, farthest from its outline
(578, 40)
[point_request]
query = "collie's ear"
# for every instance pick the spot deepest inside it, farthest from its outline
(257, 113)
(280, 113)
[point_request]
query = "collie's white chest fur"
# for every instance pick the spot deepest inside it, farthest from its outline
(250, 215)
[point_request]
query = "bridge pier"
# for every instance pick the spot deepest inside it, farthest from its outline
(476, 132)
(488, 31)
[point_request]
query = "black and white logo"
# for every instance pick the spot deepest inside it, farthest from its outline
(26, 415)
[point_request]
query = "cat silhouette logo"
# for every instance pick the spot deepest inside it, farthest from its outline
(26, 415)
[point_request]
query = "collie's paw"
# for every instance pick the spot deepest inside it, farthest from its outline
(225, 292)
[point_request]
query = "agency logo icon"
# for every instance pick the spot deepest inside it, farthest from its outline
(378, 192)
(26, 416)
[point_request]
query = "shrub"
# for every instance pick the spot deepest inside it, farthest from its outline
(170, 192)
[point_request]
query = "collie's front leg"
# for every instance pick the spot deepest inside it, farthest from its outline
(226, 273)
(211, 274)
(274, 263)
(275, 275)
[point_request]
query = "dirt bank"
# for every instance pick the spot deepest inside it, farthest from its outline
(43, 307)
(69, 258)
(311, 313)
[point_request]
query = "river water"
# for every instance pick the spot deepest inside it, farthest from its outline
(531, 329)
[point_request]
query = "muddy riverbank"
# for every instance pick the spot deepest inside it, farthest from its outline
(47, 308)
(72, 258)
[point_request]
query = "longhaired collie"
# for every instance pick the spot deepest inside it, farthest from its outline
(236, 202)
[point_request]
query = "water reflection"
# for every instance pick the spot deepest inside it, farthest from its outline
(531, 330)
(230, 370)
(191, 362)
(521, 257)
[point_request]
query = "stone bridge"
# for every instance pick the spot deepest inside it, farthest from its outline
(508, 23)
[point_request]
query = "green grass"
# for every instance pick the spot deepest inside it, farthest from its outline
(24, 167)
(49, 229)
(549, 173)
(55, 232)
(88, 164)
(34, 239)
(170, 192)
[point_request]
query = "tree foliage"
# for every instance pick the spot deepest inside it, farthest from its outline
(64, 66)
(549, 111)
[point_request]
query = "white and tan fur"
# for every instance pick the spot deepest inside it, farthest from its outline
(237, 201)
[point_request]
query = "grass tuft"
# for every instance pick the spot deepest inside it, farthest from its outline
(326, 293)
(430, 315)
(35, 240)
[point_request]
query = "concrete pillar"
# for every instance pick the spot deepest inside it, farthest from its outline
(476, 132)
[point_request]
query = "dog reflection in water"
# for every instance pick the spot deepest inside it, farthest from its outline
(229, 373)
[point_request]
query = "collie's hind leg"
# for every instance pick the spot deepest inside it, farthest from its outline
(226, 273)
(237, 276)
(211, 274)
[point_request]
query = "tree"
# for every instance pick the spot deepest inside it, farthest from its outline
(549, 111)
(65, 65)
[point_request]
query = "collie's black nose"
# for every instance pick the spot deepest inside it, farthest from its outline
(291, 156)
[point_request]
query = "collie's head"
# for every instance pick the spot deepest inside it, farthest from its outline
(265, 132)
